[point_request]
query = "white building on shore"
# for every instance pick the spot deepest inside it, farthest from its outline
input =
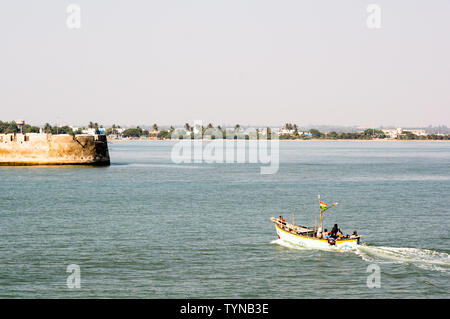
(394, 133)
(285, 131)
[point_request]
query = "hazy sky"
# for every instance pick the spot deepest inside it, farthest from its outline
(257, 62)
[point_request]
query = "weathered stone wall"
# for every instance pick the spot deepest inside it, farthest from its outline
(48, 149)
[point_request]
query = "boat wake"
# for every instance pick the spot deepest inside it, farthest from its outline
(287, 244)
(422, 258)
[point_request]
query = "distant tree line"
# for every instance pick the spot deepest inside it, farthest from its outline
(292, 130)
(368, 134)
(11, 127)
(59, 129)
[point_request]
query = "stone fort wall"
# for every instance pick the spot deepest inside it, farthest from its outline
(48, 149)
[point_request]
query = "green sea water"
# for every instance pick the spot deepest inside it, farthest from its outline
(148, 228)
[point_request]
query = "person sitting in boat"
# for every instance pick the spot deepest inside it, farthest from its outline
(322, 234)
(282, 220)
(355, 234)
(319, 232)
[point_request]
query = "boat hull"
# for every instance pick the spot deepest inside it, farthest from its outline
(317, 243)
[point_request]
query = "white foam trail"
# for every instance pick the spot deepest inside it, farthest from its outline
(298, 247)
(287, 244)
(423, 258)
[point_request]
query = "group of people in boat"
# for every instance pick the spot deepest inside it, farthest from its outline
(335, 232)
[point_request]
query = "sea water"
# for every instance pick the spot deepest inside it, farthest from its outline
(148, 228)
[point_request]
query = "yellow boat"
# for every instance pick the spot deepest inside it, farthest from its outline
(314, 237)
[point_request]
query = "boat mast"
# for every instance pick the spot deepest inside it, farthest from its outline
(321, 211)
(321, 221)
(315, 224)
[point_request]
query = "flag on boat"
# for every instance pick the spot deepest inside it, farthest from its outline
(323, 206)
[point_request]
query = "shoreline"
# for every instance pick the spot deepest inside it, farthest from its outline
(285, 140)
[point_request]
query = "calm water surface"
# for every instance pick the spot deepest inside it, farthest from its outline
(147, 228)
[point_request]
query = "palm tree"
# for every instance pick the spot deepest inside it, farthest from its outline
(237, 127)
(155, 128)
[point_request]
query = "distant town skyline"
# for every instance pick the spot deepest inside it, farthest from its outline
(224, 125)
(257, 63)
